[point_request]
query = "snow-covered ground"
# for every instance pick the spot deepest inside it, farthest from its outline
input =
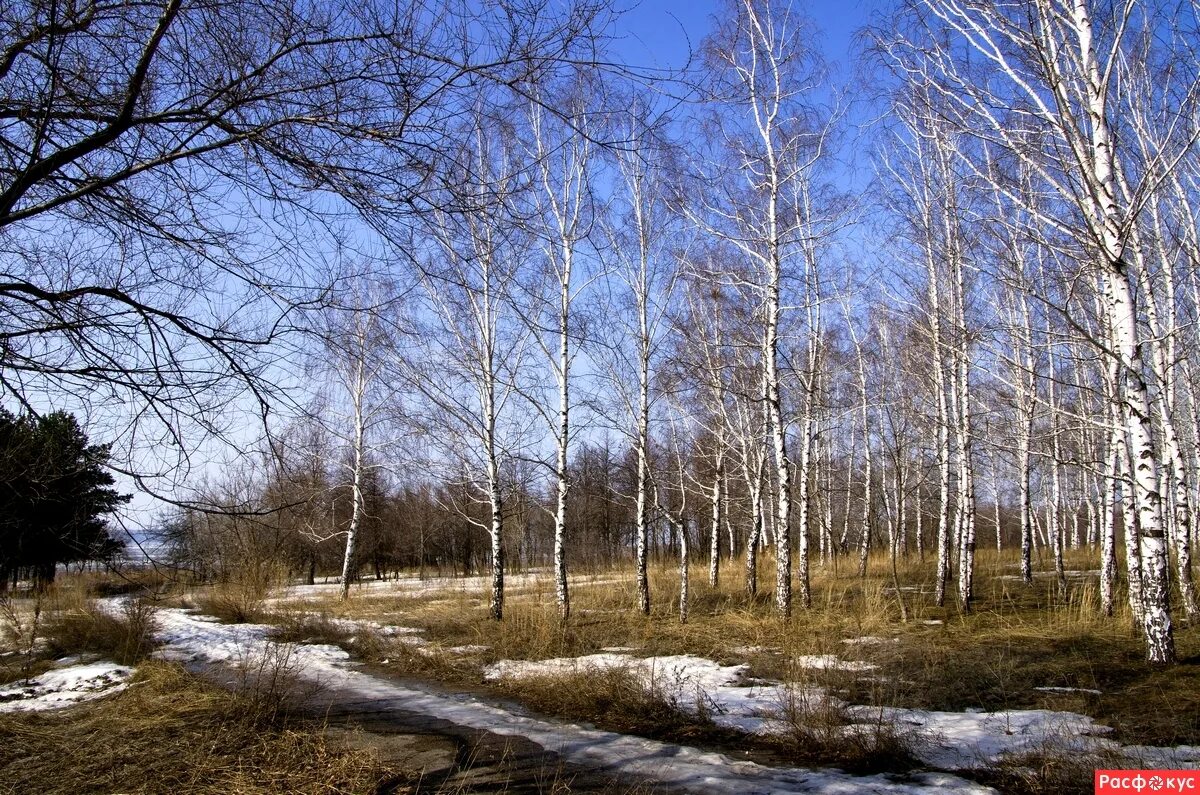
(69, 684)
(415, 586)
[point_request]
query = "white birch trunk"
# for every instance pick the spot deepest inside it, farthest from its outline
(357, 396)
(564, 418)
(681, 527)
(714, 551)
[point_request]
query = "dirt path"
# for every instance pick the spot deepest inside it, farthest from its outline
(448, 757)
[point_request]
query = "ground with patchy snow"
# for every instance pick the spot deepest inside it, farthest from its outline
(945, 741)
(200, 640)
(64, 686)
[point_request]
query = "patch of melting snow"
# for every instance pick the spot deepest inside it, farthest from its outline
(933, 622)
(729, 697)
(405, 586)
(387, 630)
(949, 740)
(63, 687)
(868, 640)
(754, 650)
(831, 662)
(470, 648)
(977, 739)
(1181, 757)
(620, 648)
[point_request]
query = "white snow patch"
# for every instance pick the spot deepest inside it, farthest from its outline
(932, 622)
(973, 739)
(754, 650)
(830, 662)
(868, 640)
(947, 740)
(410, 586)
(470, 648)
(1181, 757)
(387, 630)
(63, 687)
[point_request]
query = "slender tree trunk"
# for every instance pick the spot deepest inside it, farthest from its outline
(1108, 546)
(681, 526)
(643, 472)
(714, 551)
(358, 395)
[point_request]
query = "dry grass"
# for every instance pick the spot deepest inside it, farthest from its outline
(617, 699)
(41, 626)
(1052, 770)
(819, 730)
(242, 596)
(126, 638)
(171, 732)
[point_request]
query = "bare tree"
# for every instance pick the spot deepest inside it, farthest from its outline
(768, 143)
(646, 274)
(1046, 85)
(174, 174)
(563, 156)
(354, 344)
(468, 380)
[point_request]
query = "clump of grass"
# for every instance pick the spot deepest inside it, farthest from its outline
(309, 627)
(817, 729)
(21, 635)
(617, 699)
(241, 596)
(126, 582)
(1051, 770)
(177, 734)
(126, 637)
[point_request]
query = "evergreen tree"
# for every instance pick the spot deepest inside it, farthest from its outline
(54, 495)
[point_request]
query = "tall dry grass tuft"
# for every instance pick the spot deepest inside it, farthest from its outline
(815, 728)
(126, 636)
(241, 596)
(617, 699)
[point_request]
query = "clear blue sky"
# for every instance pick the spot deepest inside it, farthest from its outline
(656, 32)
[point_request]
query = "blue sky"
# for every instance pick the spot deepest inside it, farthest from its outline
(656, 32)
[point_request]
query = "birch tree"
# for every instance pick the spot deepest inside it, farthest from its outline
(354, 344)
(563, 153)
(468, 377)
(1046, 84)
(646, 275)
(768, 145)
